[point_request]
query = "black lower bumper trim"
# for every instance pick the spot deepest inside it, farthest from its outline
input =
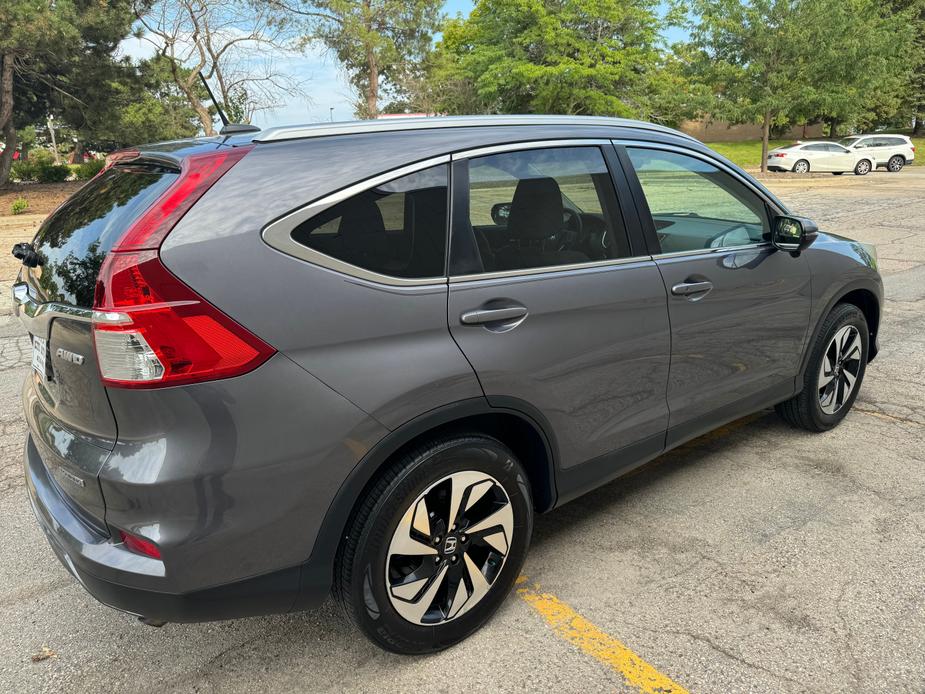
(273, 593)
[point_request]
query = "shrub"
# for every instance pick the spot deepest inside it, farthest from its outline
(19, 205)
(89, 169)
(23, 170)
(41, 167)
(52, 173)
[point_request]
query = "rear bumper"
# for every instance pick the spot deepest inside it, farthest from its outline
(108, 571)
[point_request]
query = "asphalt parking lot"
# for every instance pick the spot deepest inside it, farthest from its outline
(754, 559)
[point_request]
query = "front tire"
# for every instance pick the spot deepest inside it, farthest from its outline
(801, 167)
(436, 544)
(834, 374)
(895, 164)
(862, 168)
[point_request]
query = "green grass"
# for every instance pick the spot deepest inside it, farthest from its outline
(748, 154)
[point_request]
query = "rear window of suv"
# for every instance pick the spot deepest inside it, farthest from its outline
(398, 228)
(74, 240)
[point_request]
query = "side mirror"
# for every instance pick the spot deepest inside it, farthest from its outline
(793, 234)
(500, 212)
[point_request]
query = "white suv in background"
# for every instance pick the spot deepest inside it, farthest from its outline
(890, 151)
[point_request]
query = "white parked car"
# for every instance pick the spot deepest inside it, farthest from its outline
(803, 157)
(892, 152)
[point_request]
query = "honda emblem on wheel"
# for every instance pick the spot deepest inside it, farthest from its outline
(450, 545)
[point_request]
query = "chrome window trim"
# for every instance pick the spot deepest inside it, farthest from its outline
(766, 195)
(278, 234)
(712, 251)
(528, 145)
(548, 269)
(34, 314)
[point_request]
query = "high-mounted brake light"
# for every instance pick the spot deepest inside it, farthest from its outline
(149, 328)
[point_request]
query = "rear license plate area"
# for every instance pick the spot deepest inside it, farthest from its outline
(40, 356)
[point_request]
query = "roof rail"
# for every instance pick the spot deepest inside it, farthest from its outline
(296, 132)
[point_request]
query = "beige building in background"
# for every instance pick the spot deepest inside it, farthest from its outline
(720, 131)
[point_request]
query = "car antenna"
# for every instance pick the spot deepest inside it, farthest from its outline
(227, 128)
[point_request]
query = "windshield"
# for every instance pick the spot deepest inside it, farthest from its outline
(848, 141)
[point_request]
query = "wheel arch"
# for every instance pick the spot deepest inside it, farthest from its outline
(515, 423)
(865, 296)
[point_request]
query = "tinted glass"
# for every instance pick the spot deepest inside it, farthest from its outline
(74, 240)
(398, 228)
(817, 148)
(541, 208)
(695, 205)
(848, 141)
(894, 141)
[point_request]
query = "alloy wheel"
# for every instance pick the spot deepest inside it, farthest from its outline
(841, 364)
(895, 164)
(801, 167)
(449, 547)
(863, 167)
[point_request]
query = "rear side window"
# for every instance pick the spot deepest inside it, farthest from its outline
(74, 240)
(398, 228)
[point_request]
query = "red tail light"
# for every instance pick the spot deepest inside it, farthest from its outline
(778, 154)
(152, 330)
(140, 545)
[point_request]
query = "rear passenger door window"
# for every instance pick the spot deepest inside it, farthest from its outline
(696, 206)
(542, 208)
(398, 228)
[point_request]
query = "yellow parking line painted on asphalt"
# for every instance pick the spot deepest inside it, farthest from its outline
(571, 626)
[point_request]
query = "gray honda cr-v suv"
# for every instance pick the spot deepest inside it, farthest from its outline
(360, 357)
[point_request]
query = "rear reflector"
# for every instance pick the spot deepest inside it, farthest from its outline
(152, 330)
(149, 328)
(140, 545)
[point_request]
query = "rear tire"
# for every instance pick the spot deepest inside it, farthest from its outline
(819, 406)
(895, 164)
(801, 167)
(457, 574)
(863, 167)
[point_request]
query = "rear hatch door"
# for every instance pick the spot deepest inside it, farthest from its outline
(66, 403)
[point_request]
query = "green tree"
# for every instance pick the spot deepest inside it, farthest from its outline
(41, 44)
(378, 42)
(861, 72)
(912, 108)
(756, 57)
(594, 57)
(149, 108)
(782, 61)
